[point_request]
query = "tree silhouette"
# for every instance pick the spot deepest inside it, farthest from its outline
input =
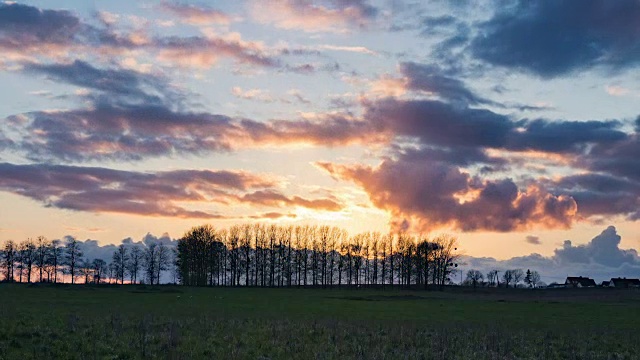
(507, 277)
(8, 260)
(119, 260)
(518, 275)
(474, 277)
(492, 278)
(134, 264)
(42, 250)
(72, 256)
(99, 270)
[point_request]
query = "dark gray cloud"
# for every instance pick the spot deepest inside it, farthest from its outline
(445, 124)
(563, 136)
(601, 194)
(130, 132)
(118, 85)
(458, 155)
(431, 79)
(554, 38)
(95, 189)
(619, 158)
(23, 25)
(424, 119)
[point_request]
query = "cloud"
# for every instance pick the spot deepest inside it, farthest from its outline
(355, 49)
(601, 258)
(601, 194)
(126, 85)
(130, 132)
(431, 79)
(101, 190)
(602, 249)
(314, 16)
(94, 189)
(26, 26)
(430, 194)
(535, 240)
(252, 94)
(196, 15)
(29, 33)
(615, 90)
(619, 158)
(134, 115)
(557, 38)
(204, 52)
(465, 126)
(138, 131)
(273, 216)
(276, 199)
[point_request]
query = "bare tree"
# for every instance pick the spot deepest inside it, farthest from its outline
(85, 268)
(119, 260)
(535, 279)
(28, 257)
(134, 264)
(492, 277)
(518, 275)
(445, 257)
(73, 256)
(8, 260)
(42, 250)
(149, 262)
(163, 260)
(99, 270)
(56, 253)
(474, 277)
(507, 277)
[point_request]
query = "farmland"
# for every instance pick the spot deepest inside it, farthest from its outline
(123, 322)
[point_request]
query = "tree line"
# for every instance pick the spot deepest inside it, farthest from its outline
(42, 260)
(511, 277)
(246, 255)
(278, 256)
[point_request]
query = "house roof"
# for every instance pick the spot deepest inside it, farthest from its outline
(625, 282)
(583, 281)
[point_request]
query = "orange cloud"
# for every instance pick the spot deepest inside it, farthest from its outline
(425, 195)
(310, 16)
(196, 15)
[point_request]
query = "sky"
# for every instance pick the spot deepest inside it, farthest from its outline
(512, 125)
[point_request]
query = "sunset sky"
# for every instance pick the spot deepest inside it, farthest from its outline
(515, 128)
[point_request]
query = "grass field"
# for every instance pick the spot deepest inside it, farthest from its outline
(110, 322)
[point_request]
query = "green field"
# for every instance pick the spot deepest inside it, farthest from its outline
(110, 322)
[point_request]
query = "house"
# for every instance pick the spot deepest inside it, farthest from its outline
(624, 283)
(605, 283)
(579, 281)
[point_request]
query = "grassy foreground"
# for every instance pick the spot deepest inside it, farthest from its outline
(128, 322)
